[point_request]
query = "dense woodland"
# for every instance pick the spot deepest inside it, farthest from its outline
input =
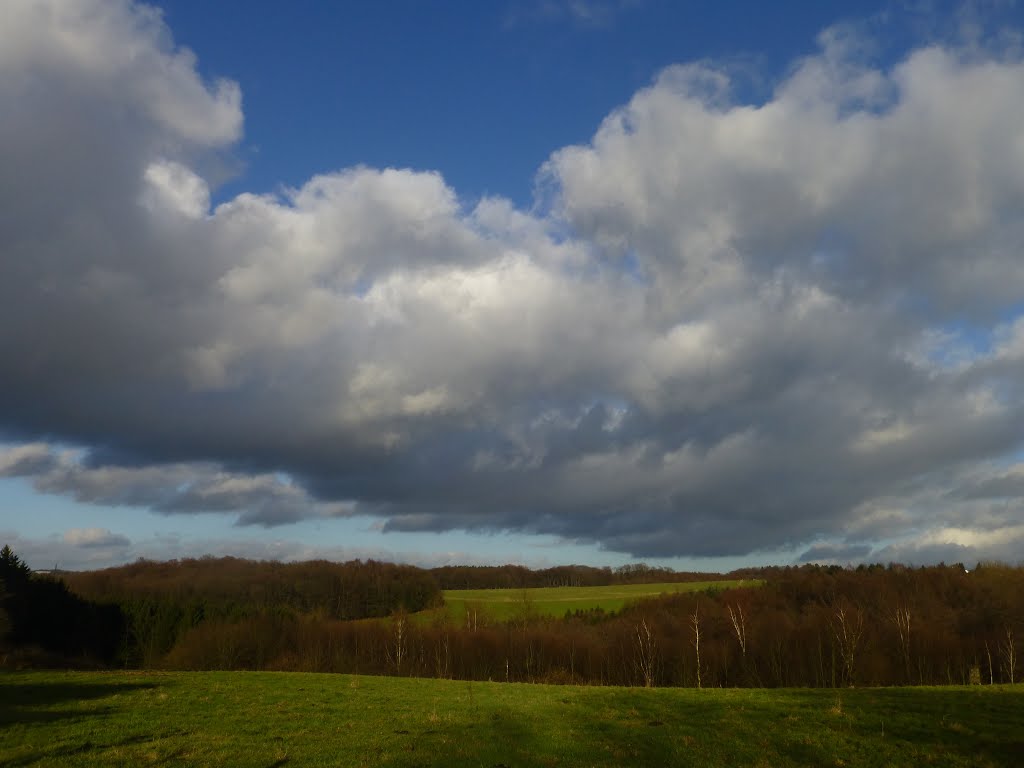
(808, 626)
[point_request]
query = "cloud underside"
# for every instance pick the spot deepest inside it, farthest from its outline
(730, 327)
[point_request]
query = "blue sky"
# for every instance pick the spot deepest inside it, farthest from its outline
(536, 281)
(482, 92)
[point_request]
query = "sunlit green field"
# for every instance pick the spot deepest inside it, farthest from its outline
(277, 719)
(503, 604)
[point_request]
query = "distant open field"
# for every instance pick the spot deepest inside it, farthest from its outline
(276, 719)
(505, 604)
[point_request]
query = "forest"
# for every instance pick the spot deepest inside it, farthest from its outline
(808, 626)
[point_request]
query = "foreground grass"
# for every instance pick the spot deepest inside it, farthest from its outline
(503, 604)
(277, 719)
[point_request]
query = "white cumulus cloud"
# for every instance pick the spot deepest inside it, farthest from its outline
(739, 327)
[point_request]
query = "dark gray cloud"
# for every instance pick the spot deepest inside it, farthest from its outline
(167, 489)
(770, 324)
(1007, 485)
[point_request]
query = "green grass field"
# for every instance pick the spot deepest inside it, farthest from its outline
(278, 719)
(504, 604)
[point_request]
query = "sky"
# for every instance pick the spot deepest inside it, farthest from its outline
(704, 285)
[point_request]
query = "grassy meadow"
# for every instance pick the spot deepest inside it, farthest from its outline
(504, 604)
(277, 719)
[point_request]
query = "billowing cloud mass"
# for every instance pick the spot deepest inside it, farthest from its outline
(168, 489)
(733, 327)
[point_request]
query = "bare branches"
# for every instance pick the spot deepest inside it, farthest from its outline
(646, 653)
(1009, 654)
(739, 625)
(901, 618)
(848, 629)
(695, 623)
(396, 649)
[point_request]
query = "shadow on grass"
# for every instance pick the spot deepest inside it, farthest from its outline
(34, 702)
(500, 735)
(869, 726)
(45, 757)
(863, 727)
(978, 724)
(23, 702)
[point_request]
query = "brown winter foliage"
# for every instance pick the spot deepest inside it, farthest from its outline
(164, 601)
(808, 626)
(353, 590)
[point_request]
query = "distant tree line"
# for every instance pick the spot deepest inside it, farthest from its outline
(808, 626)
(134, 615)
(520, 577)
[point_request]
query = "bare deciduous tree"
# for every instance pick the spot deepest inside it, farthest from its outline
(901, 618)
(396, 650)
(646, 653)
(1009, 654)
(695, 622)
(848, 628)
(442, 656)
(739, 625)
(472, 616)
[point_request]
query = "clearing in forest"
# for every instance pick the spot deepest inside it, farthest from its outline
(504, 604)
